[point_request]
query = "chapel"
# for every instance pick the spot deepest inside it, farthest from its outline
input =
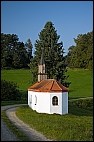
(47, 95)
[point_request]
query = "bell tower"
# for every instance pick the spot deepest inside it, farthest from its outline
(41, 69)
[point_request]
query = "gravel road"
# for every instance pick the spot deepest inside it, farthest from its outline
(7, 135)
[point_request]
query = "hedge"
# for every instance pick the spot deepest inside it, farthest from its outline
(9, 91)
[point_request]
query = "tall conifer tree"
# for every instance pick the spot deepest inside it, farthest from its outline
(53, 54)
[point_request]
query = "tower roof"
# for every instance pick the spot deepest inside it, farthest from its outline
(48, 85)
(42, 59)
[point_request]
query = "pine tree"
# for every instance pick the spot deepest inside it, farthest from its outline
(53, 54)
(29, 48)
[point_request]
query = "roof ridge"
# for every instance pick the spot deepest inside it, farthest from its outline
(44, 84)
(62, 85)
(52, 84)
(48, 85)
(58, 84)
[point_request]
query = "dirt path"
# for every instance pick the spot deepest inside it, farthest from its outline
(31, 133)
(6, 133)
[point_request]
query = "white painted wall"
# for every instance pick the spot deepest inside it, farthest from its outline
(58, 108)
(65, 102)
(42, 102)
(29, 101)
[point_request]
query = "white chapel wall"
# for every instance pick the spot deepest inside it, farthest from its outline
(65, 102)
(56, 108)
(43, 103)
(40, 101)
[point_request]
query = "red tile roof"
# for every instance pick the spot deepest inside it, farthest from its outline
(48, 85)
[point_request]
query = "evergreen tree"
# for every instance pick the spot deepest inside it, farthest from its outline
(53, 54)
(8, 43)
(20, 57)
(13, 52)
(81, 55)
(29, 48)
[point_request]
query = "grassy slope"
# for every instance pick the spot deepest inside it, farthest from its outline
(22, 77)
(71, 127)
(81, 81)
(77, 125)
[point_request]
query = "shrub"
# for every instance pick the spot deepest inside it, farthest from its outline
(9, 91)
(83, 103)
(24, 96)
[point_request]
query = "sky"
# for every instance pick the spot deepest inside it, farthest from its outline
(26, 19)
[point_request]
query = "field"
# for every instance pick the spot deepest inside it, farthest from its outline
(81, 81)
(22, 77)
(75, 126)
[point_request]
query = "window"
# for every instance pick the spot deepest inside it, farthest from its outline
(55, 100)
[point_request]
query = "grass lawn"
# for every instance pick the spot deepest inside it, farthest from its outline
(75, 126)
(81, 81)
(21, 76)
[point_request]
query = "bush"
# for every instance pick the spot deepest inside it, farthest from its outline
(83, 103)
(24, 96)
(9, 91)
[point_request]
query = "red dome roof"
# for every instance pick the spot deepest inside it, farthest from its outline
(48, 85)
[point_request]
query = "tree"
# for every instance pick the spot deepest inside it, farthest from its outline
(70, 57)
(20, 58)
(9, 91)
(81, 55)
(13, 52)
(29, 48)
(8, 42)
(53, 54)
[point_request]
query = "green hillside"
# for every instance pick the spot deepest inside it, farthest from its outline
(21, 76)
(81, 81)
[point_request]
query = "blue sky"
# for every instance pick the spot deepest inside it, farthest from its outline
(28, 18)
